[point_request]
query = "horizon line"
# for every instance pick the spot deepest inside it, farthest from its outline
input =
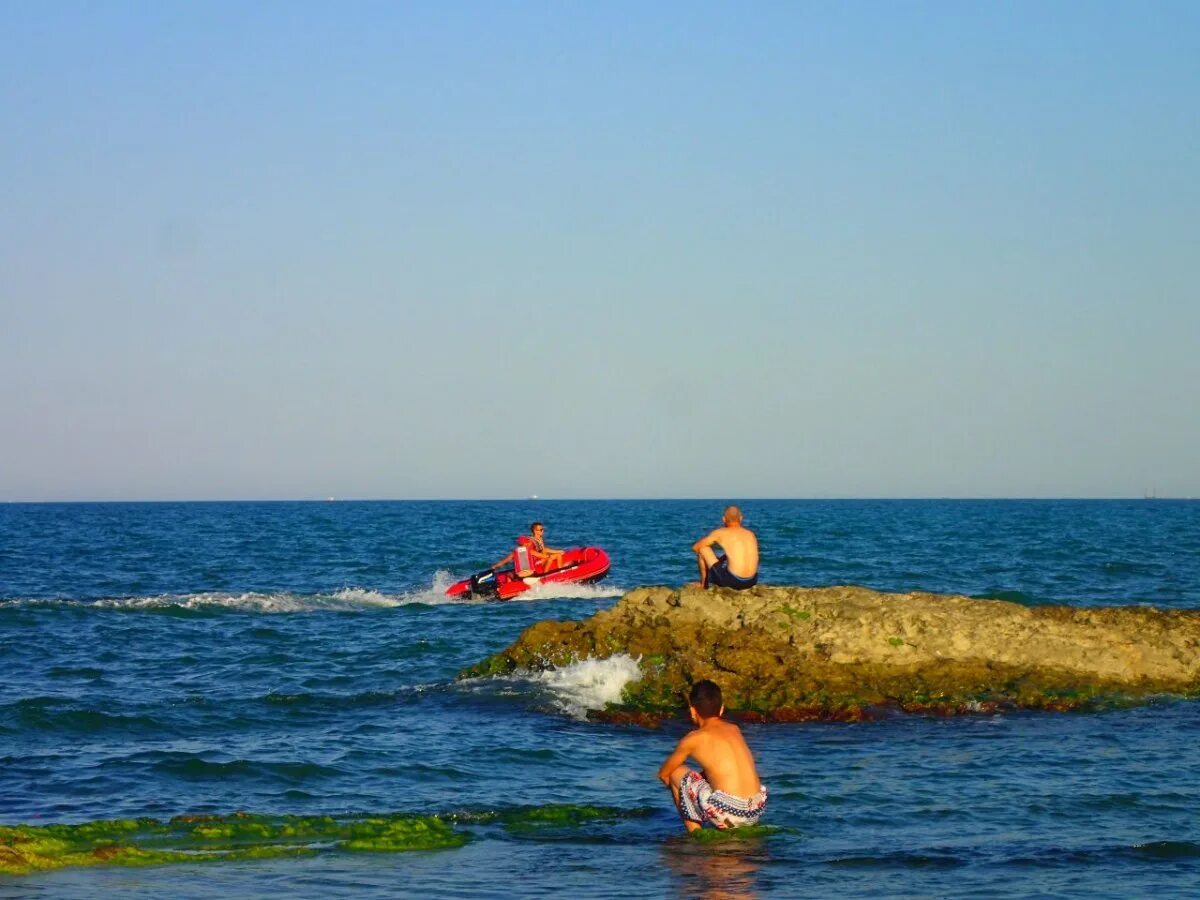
(596, 499)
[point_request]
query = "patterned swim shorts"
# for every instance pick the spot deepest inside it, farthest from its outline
(699, 802)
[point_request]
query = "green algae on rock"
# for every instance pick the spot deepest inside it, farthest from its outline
(532, 819)
(793, 654)
(143, 842)
(551, 812)
(408, 833)
(242, 836)
(733, 835)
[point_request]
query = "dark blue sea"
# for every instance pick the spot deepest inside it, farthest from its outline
(300, 658)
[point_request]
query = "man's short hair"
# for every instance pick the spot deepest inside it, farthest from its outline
(536, 525)
(733, 514)
(705, 698)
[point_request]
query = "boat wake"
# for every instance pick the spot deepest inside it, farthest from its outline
(557, 591)
(347, 599)
(344, 600)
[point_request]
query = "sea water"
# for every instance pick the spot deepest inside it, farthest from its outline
(300, 659)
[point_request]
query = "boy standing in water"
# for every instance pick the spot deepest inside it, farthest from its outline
(728, 793)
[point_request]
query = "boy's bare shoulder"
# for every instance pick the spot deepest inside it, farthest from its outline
(731, 732)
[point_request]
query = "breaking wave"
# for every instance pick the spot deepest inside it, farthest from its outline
(591, 684)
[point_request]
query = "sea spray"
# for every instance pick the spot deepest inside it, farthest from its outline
(590, 684)
(573, 689)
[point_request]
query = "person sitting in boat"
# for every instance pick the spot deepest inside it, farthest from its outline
(531, 556)
(546, 558)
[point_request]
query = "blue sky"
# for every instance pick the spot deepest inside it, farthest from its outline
(290, 250)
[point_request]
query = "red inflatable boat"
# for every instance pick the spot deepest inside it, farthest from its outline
(581, 565)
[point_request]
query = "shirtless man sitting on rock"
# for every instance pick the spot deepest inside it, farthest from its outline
(737, 567)
(727, 793)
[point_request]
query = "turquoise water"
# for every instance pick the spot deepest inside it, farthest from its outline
(162, 659)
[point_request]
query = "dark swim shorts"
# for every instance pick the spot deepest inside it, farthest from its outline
(720, 576)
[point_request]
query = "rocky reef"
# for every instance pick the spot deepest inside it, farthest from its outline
(793, 653)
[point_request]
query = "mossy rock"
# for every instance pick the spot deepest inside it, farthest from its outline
(849, 650)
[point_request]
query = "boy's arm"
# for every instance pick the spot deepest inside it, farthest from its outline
(681, 752)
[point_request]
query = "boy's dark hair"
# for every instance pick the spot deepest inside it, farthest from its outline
(706, 699)
(536, 525)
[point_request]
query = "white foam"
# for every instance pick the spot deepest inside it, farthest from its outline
(590, 684)
(347, 599)
(569, 591)
(435, 594)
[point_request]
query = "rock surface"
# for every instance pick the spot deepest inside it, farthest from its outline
(793, 653)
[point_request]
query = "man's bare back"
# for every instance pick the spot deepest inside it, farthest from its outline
(740, 557)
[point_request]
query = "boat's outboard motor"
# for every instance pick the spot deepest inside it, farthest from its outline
(483, 583)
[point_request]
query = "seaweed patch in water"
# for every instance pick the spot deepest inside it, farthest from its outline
(525, 819)
(241, 835)
(564, 815)
(143, 842)
(731, 835)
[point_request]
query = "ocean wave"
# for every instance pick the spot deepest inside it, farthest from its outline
(309, 700)
(576, 689)
(1105, 854)
(191, 766)
(64, 714)
(901, 859)
(590, 684)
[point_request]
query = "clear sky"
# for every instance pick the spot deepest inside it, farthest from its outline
(409, 250)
